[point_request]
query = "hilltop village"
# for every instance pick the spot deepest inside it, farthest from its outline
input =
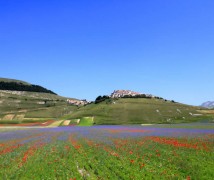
(128, 93)
(115, 94)
(78, 102)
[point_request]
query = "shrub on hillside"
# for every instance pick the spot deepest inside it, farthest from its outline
(101, 98)
(137, 96)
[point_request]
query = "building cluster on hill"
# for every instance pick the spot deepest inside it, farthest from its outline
(77, 102)
(128, 93)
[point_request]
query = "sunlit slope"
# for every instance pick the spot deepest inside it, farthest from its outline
(13, 80)
(15, 105)
(17, 85)
(20, 100)
(137, 111)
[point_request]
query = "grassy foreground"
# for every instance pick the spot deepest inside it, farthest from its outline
(106, 153)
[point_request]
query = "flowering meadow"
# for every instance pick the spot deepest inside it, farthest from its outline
(106, 152)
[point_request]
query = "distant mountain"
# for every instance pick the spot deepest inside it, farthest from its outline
(208, 104)
(17, 85)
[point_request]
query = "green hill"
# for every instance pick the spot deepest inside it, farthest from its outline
(14, 80)
(25, 105)
(138, 111)
(18, 106)
(17, 85)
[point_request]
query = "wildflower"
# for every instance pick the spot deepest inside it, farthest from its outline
(114, 154)
(132, 161)
(188, 178)
(67, 147)
(142, 165)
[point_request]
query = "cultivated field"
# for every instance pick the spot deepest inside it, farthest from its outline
(108, 152)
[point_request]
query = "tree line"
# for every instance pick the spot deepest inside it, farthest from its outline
(103, 98)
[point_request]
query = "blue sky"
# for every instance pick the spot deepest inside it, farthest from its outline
(88, 48)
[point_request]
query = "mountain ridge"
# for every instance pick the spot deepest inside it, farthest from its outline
(208, 104)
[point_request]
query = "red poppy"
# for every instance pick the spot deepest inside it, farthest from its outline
(132, 161)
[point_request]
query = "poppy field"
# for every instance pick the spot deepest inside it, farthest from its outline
(106, 152)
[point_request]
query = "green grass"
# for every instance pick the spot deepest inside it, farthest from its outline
(51, 112)
(73, 121)
(25, 121)
(138, 111)
(35, 120)
(10, 122)
(86, 121)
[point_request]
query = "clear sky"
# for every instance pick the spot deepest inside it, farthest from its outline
(86, 48)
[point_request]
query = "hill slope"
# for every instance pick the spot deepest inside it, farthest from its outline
(19, 105)
(13, 80)
(17, 85)
(32, 105)
(138, 111)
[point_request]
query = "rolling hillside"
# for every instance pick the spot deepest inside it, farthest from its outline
(17, 85)
(23, 105)
(14, 80)
(19, 104)
(138, 111)
(129, 108)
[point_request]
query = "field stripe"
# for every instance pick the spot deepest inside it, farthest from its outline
(66, 122)
(55, 124)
